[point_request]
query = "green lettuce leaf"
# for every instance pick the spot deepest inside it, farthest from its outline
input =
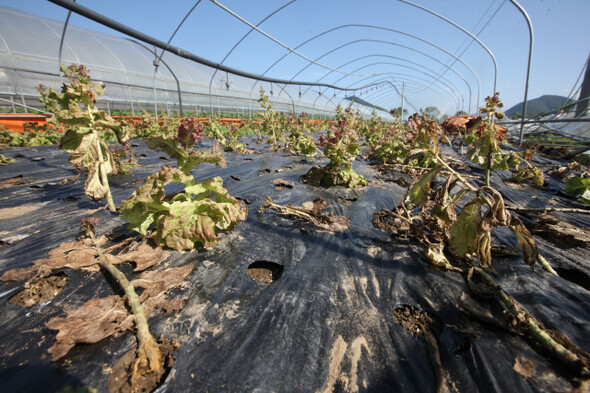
(463, 234)
(418, 192)
(189, 217)
(579, 187)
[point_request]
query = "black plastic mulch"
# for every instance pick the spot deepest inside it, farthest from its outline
(327, 324)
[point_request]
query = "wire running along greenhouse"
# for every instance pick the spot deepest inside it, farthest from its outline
(335, 206)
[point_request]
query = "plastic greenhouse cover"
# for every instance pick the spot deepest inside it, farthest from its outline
(126, 67)
(575, 129)
(327, 324)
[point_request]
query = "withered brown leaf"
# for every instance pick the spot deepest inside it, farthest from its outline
(311, 212)
(526, 241)
(79, 255)
(94, 320)
(100, 318)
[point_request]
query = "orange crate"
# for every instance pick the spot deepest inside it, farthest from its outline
(15, 121)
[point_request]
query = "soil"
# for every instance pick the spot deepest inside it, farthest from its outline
(555, 152)
(39, 291)
(417, 322)
(264, 271)
(387, 222)
(561, 232)
(426, 327)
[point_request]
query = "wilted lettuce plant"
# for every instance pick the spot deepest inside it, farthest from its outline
(297, 138)
(194, 215)
(341, 148)
(469, 233)
(75, 109)
(579, 187)
(215, 130)
(414, 143)
(270, 121)
(484, 146)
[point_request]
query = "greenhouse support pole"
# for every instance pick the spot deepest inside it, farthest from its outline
(395, 31)
(61, 44)
(464, 31)
(401, 116)
(528, 71)
(131, 100)
(12, 104)
(99, 18)
(177, 87)
(155, 98)
(584, 97)
(22, 98)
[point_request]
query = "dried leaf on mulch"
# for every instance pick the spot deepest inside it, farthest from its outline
(100, 318)
(40, 290)
(312, 213)
(560, 231)
(281, 184)
(79, 255)
(94, 320)
(391, 221)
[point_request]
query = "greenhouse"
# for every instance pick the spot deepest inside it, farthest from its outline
(229, 196)
(31, 55)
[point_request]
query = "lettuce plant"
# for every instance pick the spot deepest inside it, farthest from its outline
(148, 126)
(297, 138)
(75, 109)
(414, 143)
(181, 146)
(484, 146)
(468, 233)
(40, 134)
(215, 130)
(579, 187)
(271, 122)
(341, 148)
(194, 215)
(11, 138)
(5, 160)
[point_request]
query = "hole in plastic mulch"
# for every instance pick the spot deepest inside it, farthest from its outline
(575, 276)
(265, 271)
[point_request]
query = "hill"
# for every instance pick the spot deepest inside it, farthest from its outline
(537, 105)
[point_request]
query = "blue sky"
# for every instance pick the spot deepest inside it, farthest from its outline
(371, 54)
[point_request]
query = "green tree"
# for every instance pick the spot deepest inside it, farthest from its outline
(461, 113)
(432, 112)
(397, 112)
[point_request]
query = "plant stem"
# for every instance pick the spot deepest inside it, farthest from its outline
(488, 170)
(461, 178)
(105, 181)
(533, 327)
(290, 210)
(545, 264)
(144, 337)
(548, 209)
